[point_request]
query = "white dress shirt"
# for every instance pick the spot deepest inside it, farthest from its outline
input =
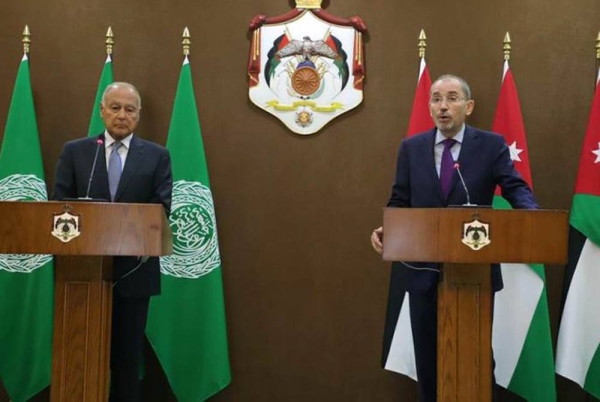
(438, 149)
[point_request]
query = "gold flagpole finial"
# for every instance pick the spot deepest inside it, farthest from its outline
(422, 44)
(26, 39)
(186, 42)
(507, 48)
(109, 41)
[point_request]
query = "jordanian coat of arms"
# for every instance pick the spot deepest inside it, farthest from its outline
(306, 67)
(66, 226)
(476, 234)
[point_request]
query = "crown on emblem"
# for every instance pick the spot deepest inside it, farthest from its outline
(308, 3)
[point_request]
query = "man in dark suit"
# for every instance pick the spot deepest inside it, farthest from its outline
(127, 169)
(426, 178)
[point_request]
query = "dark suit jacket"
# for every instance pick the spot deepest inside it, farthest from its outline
(484, 163)
(146, 178)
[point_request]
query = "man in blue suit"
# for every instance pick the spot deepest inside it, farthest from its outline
(126, 169)
(426, 177)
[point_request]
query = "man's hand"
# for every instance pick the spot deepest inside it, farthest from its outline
(376, 239)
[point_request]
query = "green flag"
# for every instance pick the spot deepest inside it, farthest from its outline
(26, 281)
(186, 323)
(106, 78)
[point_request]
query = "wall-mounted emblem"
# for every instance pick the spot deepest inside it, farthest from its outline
(306, 67)
(476, 234)
(66, 225)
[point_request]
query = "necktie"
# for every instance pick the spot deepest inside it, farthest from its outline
(114, 169)
(447, 167)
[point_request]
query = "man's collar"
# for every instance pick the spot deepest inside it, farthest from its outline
(439, 137)
(108, 139)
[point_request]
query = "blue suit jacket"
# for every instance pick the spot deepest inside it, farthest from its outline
(146, 178)
(484, 163)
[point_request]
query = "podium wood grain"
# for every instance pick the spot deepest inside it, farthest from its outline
(82, 323)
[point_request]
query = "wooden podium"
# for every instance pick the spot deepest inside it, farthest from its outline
(83, 273)
(464, 293)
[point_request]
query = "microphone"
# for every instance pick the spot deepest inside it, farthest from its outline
(87, 193)
(457, 168)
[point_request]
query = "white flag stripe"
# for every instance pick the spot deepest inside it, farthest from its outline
(422, 66)
(401, 357)
(579, 334)
(505, 69)
(513, 310)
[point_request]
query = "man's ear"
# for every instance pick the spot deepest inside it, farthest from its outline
(470, 106)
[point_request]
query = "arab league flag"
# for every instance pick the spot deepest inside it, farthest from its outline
(398, 347)
(26, 281)
(521, 327)
(578, 348)
(106, 78)
(186, 323)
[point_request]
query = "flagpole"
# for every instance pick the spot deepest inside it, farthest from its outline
(422, 44)
(26, 40)
(193, 353)
(597, 59)
(26, 358)
(507, 47)
(109, 41)
(186, 42)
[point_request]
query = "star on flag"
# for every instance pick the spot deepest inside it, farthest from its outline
(514, 152)
(597, 152)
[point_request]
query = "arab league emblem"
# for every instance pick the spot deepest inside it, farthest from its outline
(306, 67)
(66, 226)
(23, 187)
(476, 234)
(194, 226)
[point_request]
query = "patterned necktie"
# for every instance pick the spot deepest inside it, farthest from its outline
(447, 167)
(114, 169)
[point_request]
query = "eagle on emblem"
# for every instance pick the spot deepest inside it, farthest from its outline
(65, 224)
(330, 47)
(307, 48)
(476, 230)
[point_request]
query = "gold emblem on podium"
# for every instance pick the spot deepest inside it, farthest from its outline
(476, 234)
(66, 225)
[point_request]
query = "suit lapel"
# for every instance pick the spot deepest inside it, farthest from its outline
(134, 159)
(430, 163)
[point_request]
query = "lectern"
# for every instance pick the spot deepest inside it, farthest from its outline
(467, 241)
(83, 236)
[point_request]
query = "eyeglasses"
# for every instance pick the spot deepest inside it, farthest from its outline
(451, 100)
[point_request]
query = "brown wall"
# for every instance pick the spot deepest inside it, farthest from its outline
(305, 293)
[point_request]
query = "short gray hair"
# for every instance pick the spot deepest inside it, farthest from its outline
(463, 84)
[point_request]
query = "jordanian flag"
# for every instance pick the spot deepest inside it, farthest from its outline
(578, 351)
(398, 347)
(186, 324)
(26, 281)
(521, 328)
(106, 78)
